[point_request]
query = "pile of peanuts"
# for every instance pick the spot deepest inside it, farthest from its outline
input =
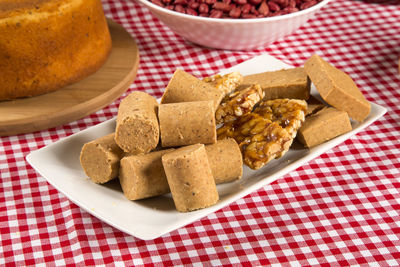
(245, 9)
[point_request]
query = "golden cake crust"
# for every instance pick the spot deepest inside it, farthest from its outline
(49, 44)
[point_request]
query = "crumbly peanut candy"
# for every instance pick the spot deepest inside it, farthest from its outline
(337, 88)
(286, 83)
(190, 178)
(238, 103)
(184, 87)
(100, 159)
(323, 125)
(137, 129)
(187, 123)
(226, 83)
(267, 132)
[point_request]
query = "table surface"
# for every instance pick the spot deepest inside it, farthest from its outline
(342, 208)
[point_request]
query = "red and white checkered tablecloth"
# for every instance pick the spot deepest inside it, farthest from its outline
(343, 208)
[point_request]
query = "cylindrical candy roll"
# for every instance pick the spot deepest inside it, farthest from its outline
(137, 129)
(187, 123)
(100, 159)
(184, 87)
(225, 160)
(142, 176)
(190, 179)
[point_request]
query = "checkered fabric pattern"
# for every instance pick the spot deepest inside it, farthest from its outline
(343, 208)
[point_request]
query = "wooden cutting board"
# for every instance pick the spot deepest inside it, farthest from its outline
(79, 99)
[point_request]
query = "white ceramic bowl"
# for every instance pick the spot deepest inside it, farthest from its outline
(233, 34)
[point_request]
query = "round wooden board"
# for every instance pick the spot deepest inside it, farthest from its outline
(79, 99)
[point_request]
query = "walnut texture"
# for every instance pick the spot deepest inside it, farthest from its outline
(267, 132)
(238, 103)
(225, 83)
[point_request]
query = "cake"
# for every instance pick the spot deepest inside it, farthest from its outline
(48, 44)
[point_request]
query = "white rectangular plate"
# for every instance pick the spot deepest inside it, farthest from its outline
(147, 219)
